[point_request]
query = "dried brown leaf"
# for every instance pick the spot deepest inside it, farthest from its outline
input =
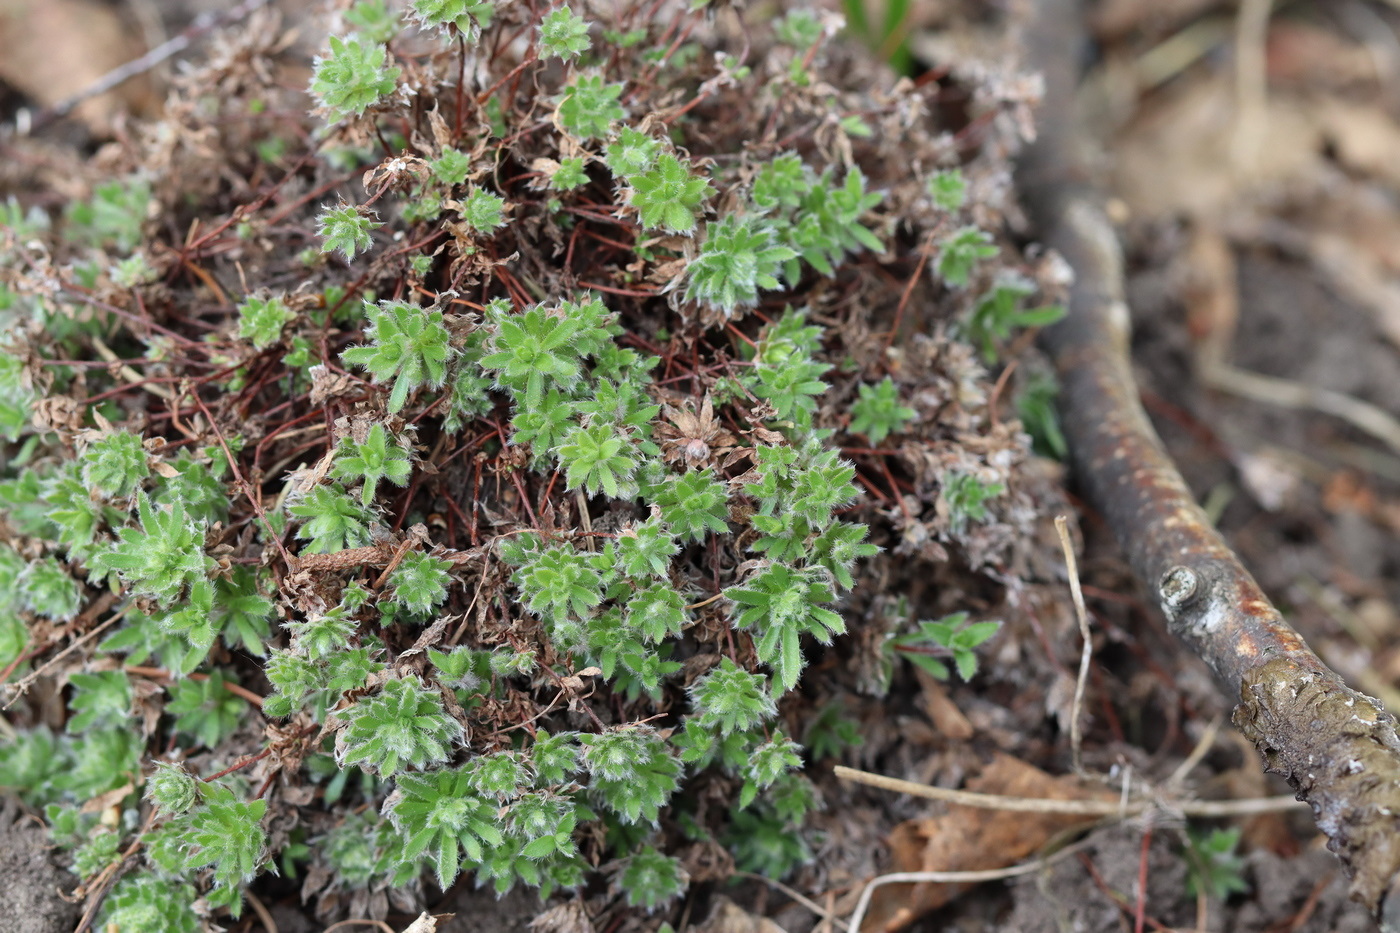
(969, 839)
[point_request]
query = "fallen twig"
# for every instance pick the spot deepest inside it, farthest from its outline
(98, 888)
(1271, 390)
(1336, 747)
(18, 690)
(203, 24)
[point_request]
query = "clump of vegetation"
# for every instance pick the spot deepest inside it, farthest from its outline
(503, 515)
(1213, 865)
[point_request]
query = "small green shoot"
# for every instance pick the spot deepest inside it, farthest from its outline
(877, 413)
(345, 230)
(950, 637)
(563, 34)
(376, 459)
(408, 344)
(1213, 866)
(352, 78)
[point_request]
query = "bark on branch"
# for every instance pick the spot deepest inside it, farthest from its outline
(1337, 748)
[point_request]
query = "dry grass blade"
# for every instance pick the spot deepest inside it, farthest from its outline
(951, 877)
(1081, 614)
(797, 897)
(356, 922)
(18, 690)
(265, 918)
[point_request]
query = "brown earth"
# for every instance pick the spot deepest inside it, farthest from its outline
(31, 885)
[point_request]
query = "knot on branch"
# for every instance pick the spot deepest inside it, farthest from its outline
(1178, 587)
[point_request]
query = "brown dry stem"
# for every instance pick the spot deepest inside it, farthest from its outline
(1337, 748)
(1104, 807)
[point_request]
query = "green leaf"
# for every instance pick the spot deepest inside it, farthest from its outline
(877, 413)
(559, 583)
(466, 17)
(46, 589)
(740, 255)
(535, 348)
(588, 107)
(563, 34)
(1035, 406)
(948, 190)
(668, 195)
(966, 663)
(161, 559)
(241, 612)
(223, 832)
(632, 153)
(374, 460)
(545, 845)
(437, 811)
(403, 724)
(599, 458)
(483, 211)
(569, 175)
(1212, 863)
(408, 344)
(782, 604)
(143, 901)
(333, 520)
(102, 699)
(632, 772)
(971, 636)
(115, 464)
(452, 167)
(419, 583)
(960, 252)
(694, 504)
(352, 78)
(206, 709)
(967, 496)
(373, 20)
(651, 879)
(114, 216)
(261, 319)
(783, 183)
(732, 700)
(951, 635)
(345, 230)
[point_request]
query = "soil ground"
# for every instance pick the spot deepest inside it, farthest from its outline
(30, 883)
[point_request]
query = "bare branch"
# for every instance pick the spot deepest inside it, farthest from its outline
(1337, 748)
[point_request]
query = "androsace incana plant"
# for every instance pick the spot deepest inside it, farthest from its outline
(494, 509)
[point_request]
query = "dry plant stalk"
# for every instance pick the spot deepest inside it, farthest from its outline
(1337, 748)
